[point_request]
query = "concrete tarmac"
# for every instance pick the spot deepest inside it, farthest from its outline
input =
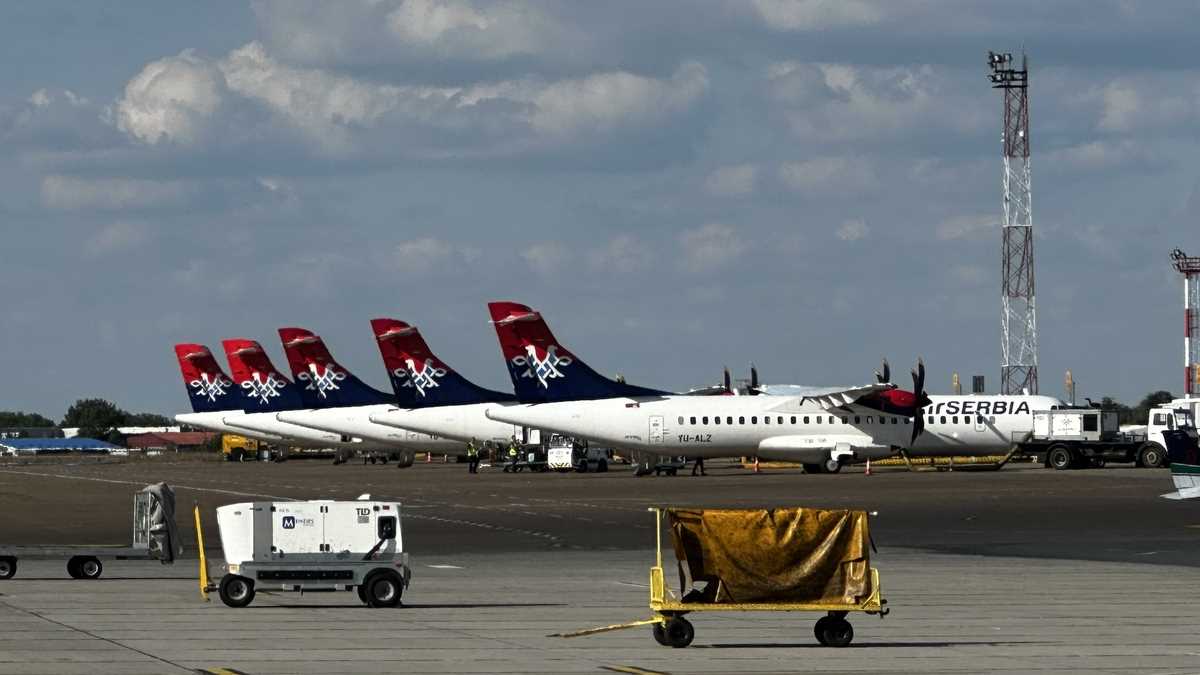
(1022, 570)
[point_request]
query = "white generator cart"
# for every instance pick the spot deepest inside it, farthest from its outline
(319, 545)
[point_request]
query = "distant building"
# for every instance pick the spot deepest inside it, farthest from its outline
(170, 440)
(71, 432)
(44, 446)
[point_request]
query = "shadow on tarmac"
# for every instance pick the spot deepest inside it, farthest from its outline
(862, 645)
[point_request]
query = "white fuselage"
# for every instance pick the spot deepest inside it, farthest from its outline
(262, 426)
(459, 422)
(779, 427)
(356, 421)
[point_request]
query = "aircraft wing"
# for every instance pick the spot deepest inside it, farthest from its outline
(826, 397)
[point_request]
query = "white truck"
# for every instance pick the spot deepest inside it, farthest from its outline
(1073, 438)
(318, 545)
(564, 453)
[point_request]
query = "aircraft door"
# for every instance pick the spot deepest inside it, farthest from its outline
(655, 435)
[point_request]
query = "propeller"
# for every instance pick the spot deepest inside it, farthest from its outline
(728, 382)
(884, 375)
(753, 380)
(922, 399)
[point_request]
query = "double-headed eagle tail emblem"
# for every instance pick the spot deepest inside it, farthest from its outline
(545, 368)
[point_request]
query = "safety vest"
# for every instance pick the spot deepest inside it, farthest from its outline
(471, 450)
(512, 451)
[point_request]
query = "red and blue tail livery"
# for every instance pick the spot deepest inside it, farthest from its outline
(321, 381)
(262, 387)
(208, 387)
(542, 370)
(419, 378)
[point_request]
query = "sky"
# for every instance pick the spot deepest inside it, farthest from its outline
(677, 186)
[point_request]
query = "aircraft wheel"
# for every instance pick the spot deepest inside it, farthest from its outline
(8, 567)
(812, 468)
(831, 465)
(602, 466)
(236, 591)
(89, 568)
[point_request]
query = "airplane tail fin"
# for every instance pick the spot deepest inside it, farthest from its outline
(262, 387)
(542, 370)
(418, 376)
(321, 381)
(208, 387)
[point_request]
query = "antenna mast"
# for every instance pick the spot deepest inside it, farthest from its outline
(1018, 320)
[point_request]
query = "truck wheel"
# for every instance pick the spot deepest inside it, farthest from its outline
(583, 467)
(88, 567)
(679, 632)
(1152, 456)
(405, 460)
(8, 567)
(1060, 458)
(236, 591)
(383, 589)
(602, 467)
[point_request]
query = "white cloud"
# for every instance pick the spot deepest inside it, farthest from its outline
(1121, 107)
(171, 99)
(711, 246)
(71, 193)
(490, 30)
(853, 230)
(623, 254)
(732, 181)
(115, 238)
(545, 258)
(966, 226)
(972, 275)
(1097, 155)
(421, 256)
(792, 15)
(824, 175)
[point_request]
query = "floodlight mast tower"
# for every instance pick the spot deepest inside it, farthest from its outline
(1018, 320)
(1189, 267)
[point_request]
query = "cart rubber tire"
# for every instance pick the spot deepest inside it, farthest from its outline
(383, 589)
(8, 567)
(660, 634)
(1060, 458)
(679, 632)
(819, 629)
(831, 465)
(837, 632)
(236, 591)
(1151, 456)
(89, 567)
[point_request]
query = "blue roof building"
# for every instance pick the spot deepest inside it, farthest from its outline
(34, 446)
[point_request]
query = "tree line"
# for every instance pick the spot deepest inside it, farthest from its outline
(95, 417)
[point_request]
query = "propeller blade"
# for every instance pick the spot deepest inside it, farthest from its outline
(728, 382)
(918, 375)
(884, 375)
(753, 380)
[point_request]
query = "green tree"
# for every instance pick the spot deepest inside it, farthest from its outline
(147, 420)
(95, 417)
(24, 419)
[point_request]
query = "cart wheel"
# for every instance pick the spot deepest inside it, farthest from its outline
(833, 631)
(679, 632)
(660, 634)
(236, 591)
(89, 568)
(8, 567)
(383, 589)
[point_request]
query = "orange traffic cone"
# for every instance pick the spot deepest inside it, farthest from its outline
(755, 464)
(868, 466)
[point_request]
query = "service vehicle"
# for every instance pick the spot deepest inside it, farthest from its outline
(238, 448)
(308, 546)
(564, 453)
(154, 538)
(1080, 437)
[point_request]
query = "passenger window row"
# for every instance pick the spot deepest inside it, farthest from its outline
(793, 419)
(966, 419)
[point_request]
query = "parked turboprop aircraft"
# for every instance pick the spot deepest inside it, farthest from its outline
(337, 401)
(215, 398)
(433, 397)
(819, 427)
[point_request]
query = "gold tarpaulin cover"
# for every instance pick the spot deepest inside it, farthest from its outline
(773, 555)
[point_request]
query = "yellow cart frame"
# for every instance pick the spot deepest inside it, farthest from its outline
(671, 629)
